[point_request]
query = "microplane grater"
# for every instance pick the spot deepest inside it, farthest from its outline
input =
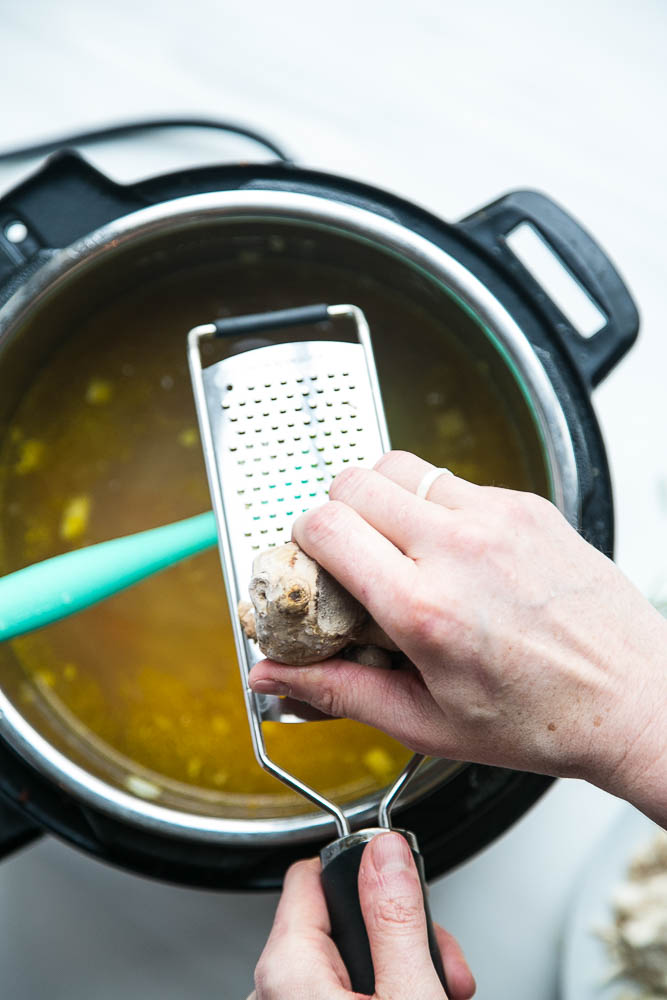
(277, 423)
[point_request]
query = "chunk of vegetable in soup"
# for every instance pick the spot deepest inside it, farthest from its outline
(105, 443)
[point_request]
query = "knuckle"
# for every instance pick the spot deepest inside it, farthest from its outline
(398, 911)
(348, 483)
(272, 982)
(294, 870)
(329, 701)
(266, 972)
(279, 971)
(322, 524)
(526, 508)
(281, 979)
(423, 617)
(475, 540)
(392, 459)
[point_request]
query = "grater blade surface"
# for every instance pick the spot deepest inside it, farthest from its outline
(277, 424)
(285, 420)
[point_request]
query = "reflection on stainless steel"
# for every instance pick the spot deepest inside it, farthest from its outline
(390, 797)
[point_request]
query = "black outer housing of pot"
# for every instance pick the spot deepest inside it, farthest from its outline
(68, 198)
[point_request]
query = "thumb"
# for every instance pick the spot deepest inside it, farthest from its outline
(396, 701)
(392, 904)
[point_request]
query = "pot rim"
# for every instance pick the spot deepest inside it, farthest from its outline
(390, 236)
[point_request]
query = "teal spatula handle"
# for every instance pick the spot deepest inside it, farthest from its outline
(57, 587)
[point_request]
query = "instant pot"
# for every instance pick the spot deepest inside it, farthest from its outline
(69, 234)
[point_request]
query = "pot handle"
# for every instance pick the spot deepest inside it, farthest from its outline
(16, 830)
(586, 262)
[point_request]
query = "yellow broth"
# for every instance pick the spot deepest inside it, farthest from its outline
(105, 443)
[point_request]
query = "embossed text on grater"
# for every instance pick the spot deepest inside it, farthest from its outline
(285, 420)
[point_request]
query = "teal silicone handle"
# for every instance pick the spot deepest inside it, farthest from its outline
(57, 587)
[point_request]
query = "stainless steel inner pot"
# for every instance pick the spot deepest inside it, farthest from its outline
(177, 233)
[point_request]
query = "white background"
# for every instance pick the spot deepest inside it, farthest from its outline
(449, 105)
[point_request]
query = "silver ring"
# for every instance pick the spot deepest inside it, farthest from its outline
(428, 479)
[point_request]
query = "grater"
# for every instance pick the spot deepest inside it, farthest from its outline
(278, 422)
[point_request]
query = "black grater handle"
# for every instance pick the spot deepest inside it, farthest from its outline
(340, 873)
(234, 326)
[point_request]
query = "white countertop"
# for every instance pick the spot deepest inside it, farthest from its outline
(450, 106)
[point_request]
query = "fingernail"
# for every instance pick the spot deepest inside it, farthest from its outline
(391, 853)
(267, 685)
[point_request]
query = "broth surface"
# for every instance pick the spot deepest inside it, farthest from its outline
(105, 443)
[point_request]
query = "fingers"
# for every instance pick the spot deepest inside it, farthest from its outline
(396, 701)
(460, 980)
(374, 526)
(359, 557)
(408, 470)
(395, 512)
(300, 960)
(392, 904)
(302, 906)
(302, 709)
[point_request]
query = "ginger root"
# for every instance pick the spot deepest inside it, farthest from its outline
(300, 614)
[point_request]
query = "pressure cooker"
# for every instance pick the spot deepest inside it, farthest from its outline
(69, 234)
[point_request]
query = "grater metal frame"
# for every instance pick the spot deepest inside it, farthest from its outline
(261, 708)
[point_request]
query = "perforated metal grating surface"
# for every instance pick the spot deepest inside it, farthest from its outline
(285, 420)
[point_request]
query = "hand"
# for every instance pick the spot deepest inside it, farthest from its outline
(530, 649)
(301, 962)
